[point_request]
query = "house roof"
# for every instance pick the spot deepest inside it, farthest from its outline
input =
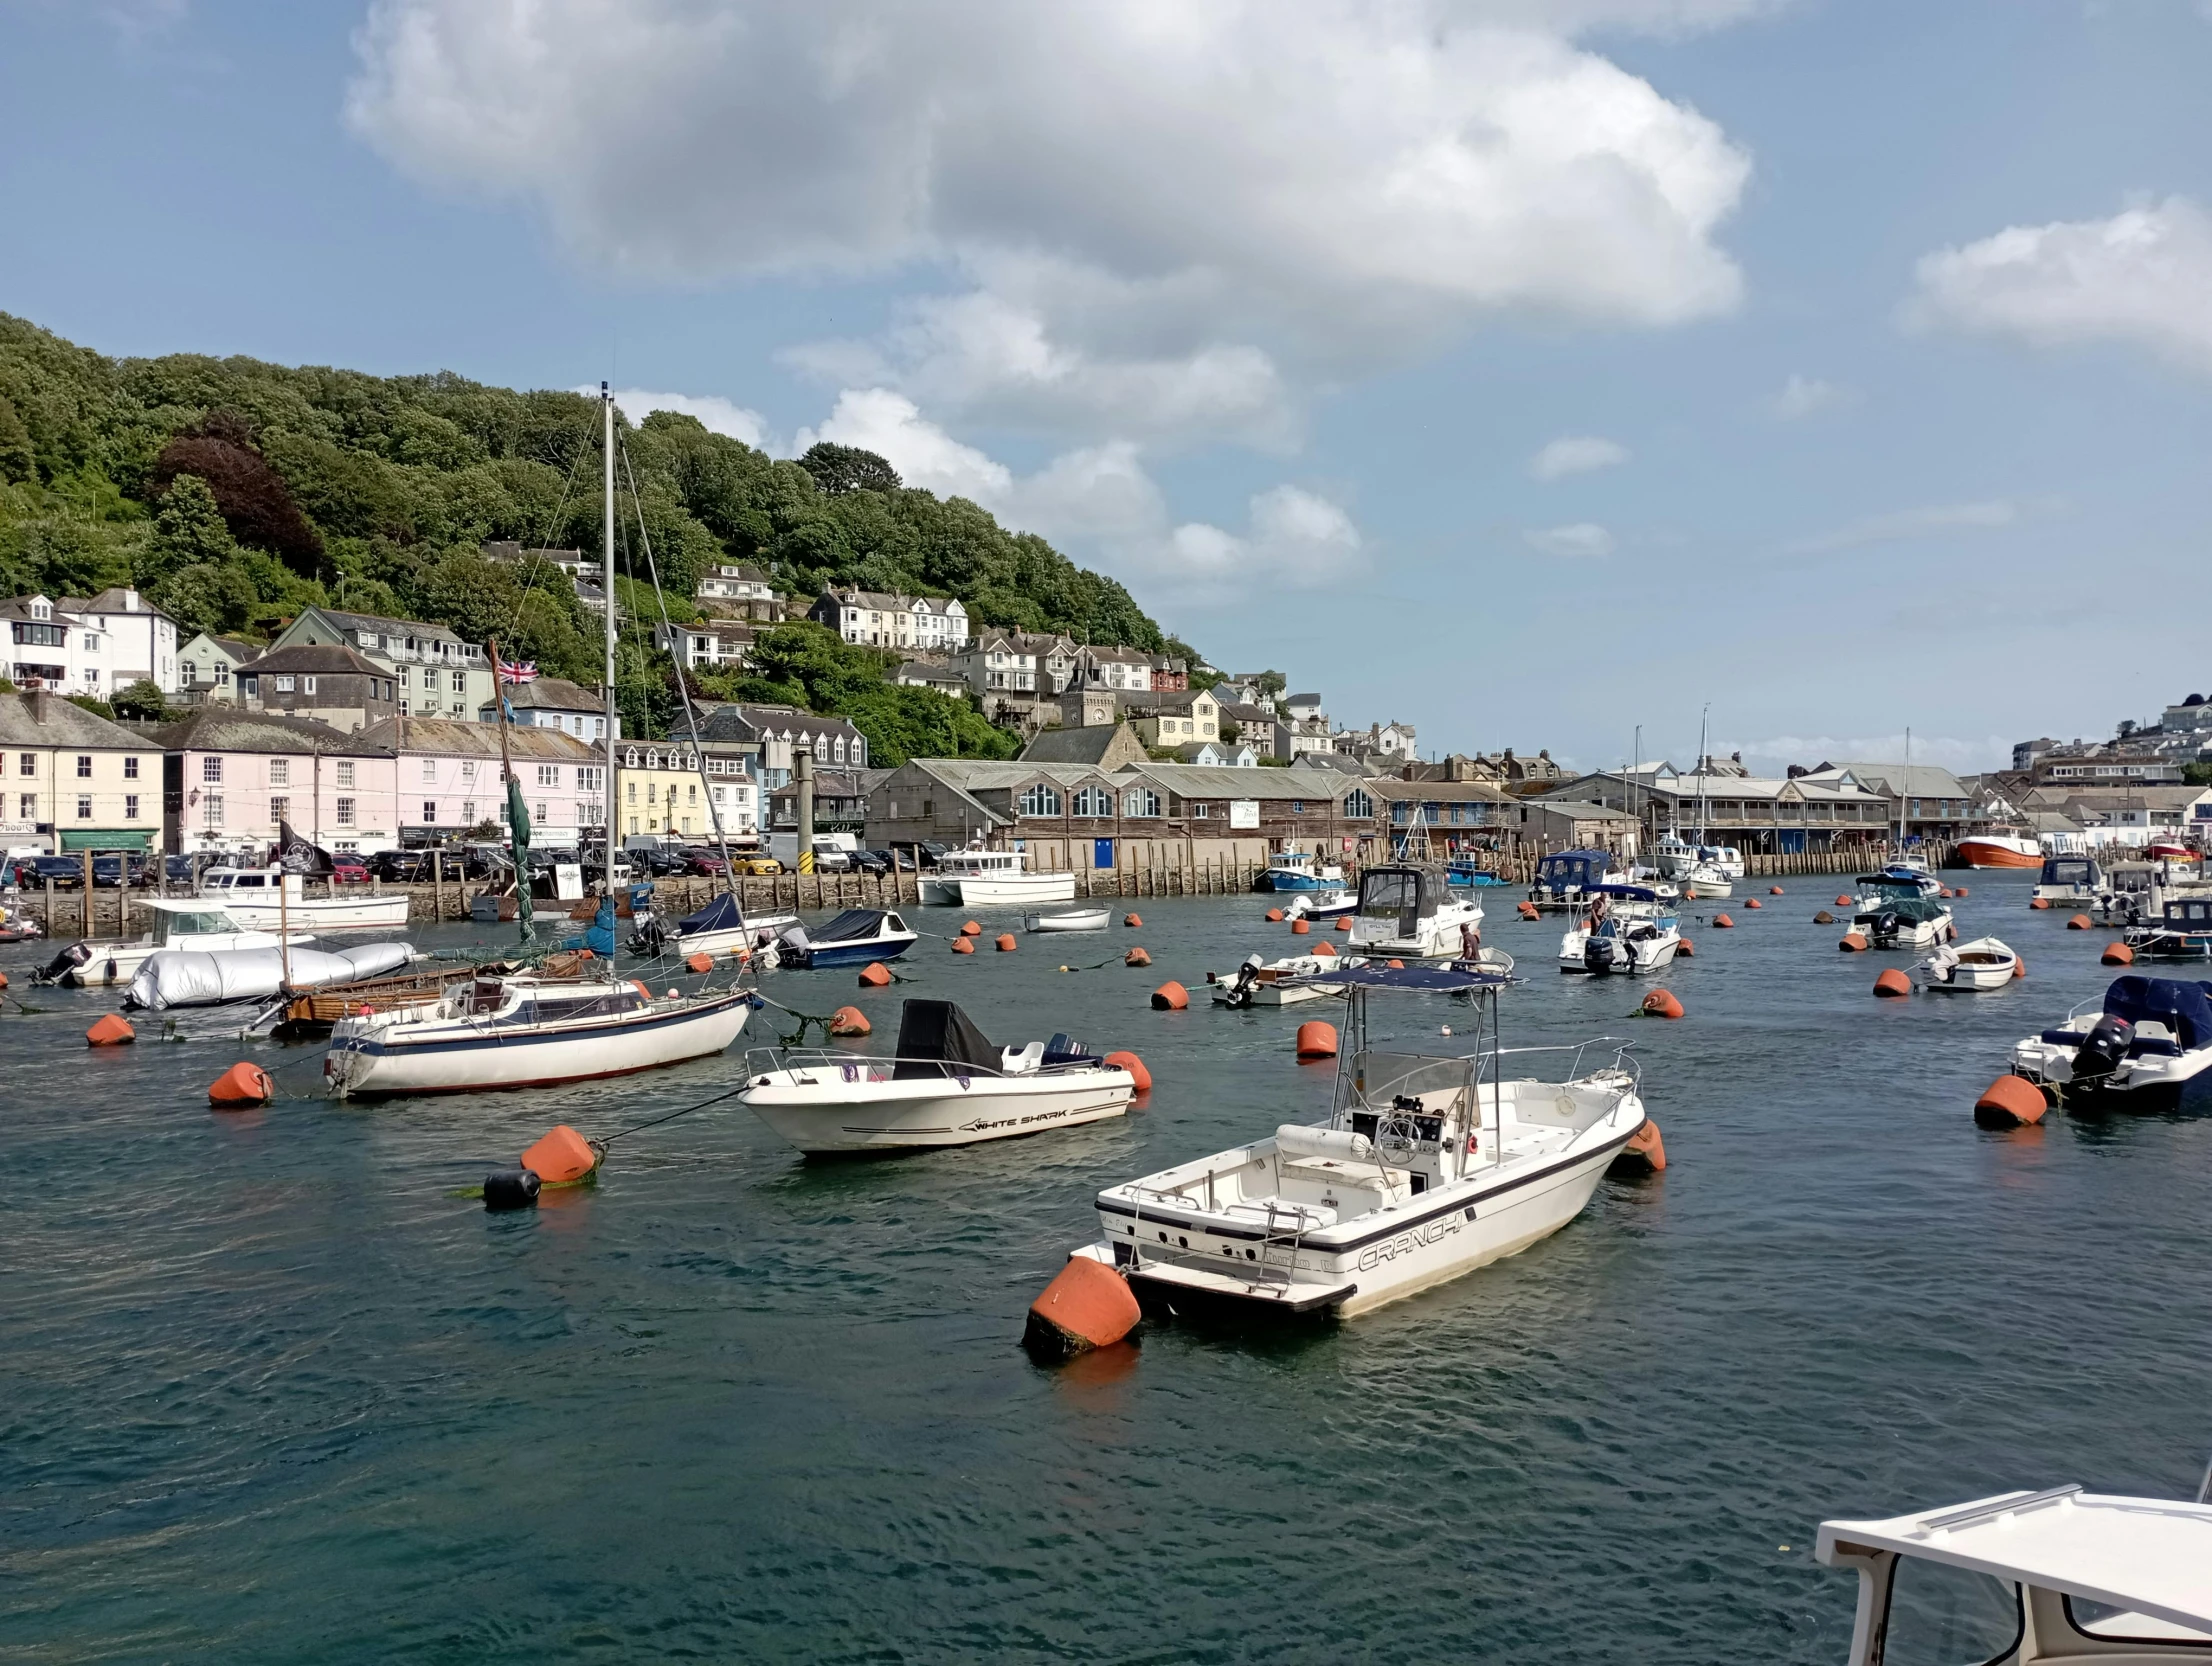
(1398, 789)
(227, 729)
(1102, 744)
(1580, 809)
(747, 722)
(922, 669)
(49, 720)
(1225, 781)
(317, 657)
(1898, 780)
(452, 736)
(19, 607)
(114, 599)
(382, 626)
(554, 694)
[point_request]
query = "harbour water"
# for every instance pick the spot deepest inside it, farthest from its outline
(274, 1393)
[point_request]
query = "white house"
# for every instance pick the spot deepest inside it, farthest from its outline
(555, 703)
(880, 619)
(1121, 669)
(50, 649)
(438, 674)
(207, 665)
(713, 646)
(142, 640)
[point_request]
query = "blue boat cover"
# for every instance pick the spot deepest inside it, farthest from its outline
(1434, 980)
(1627, 893)
(2185, 1008)
(722, 914)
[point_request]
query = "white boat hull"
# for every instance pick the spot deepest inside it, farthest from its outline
(387, 912)
(819, 1112)
(1436, 938)
(1647, 954)
(469, 1056)
(1014, 890)
(1084, 919)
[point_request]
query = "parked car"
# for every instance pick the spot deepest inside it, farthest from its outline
(403, 867)
(347, 868)
(114, 870)
(64, 873)
(871, 861)
(918, 853)
(183, 870)
(700, 860)
(764, 867)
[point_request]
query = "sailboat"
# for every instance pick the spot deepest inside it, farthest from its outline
(533, 1029)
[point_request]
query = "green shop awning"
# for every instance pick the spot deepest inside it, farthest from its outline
(107, 838)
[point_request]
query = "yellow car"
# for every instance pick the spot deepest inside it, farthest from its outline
(766, 867)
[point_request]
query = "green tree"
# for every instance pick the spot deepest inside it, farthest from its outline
(216, 597)
(838, 469)
(18, 460)
(144, 701)
(188, 532)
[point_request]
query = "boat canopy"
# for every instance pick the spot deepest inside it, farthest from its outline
(1626, 893)
(937, 1039)
(2188, 914)
(2185, 1008)
(1395, 893)
(2069, 870)
(1573, 867)
(722, 914)
(1430, 980)
(1920, 910)
(854, 925)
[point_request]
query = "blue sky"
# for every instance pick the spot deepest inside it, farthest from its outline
(1526, 370)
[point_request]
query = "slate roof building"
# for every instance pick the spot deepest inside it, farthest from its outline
(71, 780)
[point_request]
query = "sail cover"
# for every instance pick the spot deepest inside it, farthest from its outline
(2182, 1007)
(937, 1039)
(722, 914)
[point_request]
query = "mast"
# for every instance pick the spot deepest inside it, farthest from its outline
(606, 577)
(1904, 798)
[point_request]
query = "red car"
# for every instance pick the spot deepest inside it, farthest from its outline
(699, 860)
(348, 869)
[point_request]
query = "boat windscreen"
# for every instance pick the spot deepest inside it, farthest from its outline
(1920, 910)
(854, 922)
(2067, 871)
(937, 1039)
(2182, 1007)
(722, 914)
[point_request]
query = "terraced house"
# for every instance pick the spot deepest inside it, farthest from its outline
(450, 781)
(229, 777)
(71, 780)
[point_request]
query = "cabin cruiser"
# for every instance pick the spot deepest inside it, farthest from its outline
(1426, 1168)
(979, 878)
(1312, 905)
(178, 923)
(1971, 968)
(526, 1031)
(1629, 929)
(1300, 870)
(1899, 879)
(854, 938)
(720, 928)
(1409, 913)
(2138, 891)
(2070, 881)
(1676, 856)
(1902, 920)
(1706, 882)
(2001, 850)
(1564, 875)
(946, 1085)
(2150, 1039)
(2065, 1575)
(270, 899)
(2180, 930)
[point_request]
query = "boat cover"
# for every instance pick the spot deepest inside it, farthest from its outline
(937, 1039)
(1917, 909)
(722, 914)
(1447, 980)
(209, 977)
(2185, 1008)
(2069, 870)
(854, 925)
(1627, 893)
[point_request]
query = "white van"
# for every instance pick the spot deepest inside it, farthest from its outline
(833, 852)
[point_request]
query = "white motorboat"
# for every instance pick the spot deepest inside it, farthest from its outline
(720, 928)
(978, 878)
(946, 1085)
(1707, 882)
(1424, 1170)
(1976, 967)
(1676, 856)
(2070, 882)
(526, 1031)
(178, 923)
(269, 899)
(2031, 1578)
(1564, 875)
(217, 977)
(1896, 910)
(1276, 983)
(2149, 1040)
(1630, 929)
(1075, 919)
(1314, 905)
(1413, 913)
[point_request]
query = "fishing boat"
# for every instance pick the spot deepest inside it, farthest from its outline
(945, 1085)
(2001, 850)
(1564, 875)
(1676, 856)
(1902, 920)
(270, 899)
(2180, 930)
(1312, 905)
(219, 977)
(1425, 1169)
(178, 923)
(1075, 919)
(2063, 1574)
(1466, 872)
(854, 938)
(1299, 870)
(2147, 1041)
(979, 878)
(1629, 930)
(1971, 968)
(1410, 913)
(2070, 881)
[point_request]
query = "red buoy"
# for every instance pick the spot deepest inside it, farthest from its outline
(241, 1086)
(1893, 982)
(1131, 920)
(971, 929)
(1170, 997)
(1299, 927)
(2039, 902)
(1852, 942)
(849, 1021)
(1661, 1003)
(1686, 948)
(1774, 890)
(1136, 957)
(1316, 1040)
(1324, 947)
(963, 945)
(2080, 922)
(1847, 902)
(700, 962)
(1087, 1305)
(563, 1158)
(1274, 915)
(1006, 943)
(1645, 1152)
(874, 975)
(2010, 1102)
(1135, 1066)
(2117, 954)
(1344, 922)
(111, 1031)
(1722, 922)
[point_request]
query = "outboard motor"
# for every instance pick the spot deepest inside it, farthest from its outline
(1599, 955)
(62, 965)
(1240, 987)
(1886, 926)
(2103, 1048)
(649, 938)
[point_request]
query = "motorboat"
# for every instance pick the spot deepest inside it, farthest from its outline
(1075, 919)
(178, 923)
(2180, 930)
(2148, 1040)
(526, 1030)
(1898, 879)
(854, 938)
(2070, 881)
(19, 925)
(1564, 875)
(1902, 920)
(1971, 968)
(2028, 1578)
(2001, 850)
(1409, 913)
(1276, 983)
(946, 1085)
(1313, 905)
(1468, 873)
(218, 977)
(1676, 856)
(1706, 882)
(1425, 1169)
(270, 899)
(720, 928)
(1300, 870)
(1629, 929)
(978, 878)
(2171, 850)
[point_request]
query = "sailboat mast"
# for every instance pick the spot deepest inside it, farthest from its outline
(606, 577)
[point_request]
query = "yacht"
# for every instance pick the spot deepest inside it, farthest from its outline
(178, 923)
(2148, 1040)
(1564, 875)
(1971, 968)
(269, 899)
(1409, 913)
(1901, 918)
(1630, 929)
(945, 1085)
(2066, 1575)
(1426, 1168)
(1706, 882)
(979, 878)
(720, 928)
(1300, 870)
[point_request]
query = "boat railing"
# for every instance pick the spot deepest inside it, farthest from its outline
(1624, 1059)
(882, 1067)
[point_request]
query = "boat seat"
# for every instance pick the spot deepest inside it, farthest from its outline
(1024, 1061)
(2153, 1040)
(2064, 1038)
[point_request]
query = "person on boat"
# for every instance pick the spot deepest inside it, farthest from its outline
(1470, 941)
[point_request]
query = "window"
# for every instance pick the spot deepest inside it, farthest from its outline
(345, 812)
(1140, 801)
(587, 780)
(1041, 800)
(91, 643)
(460, 682)
(429, 771)
(130, 769)
(691, 794)
(307, 685)
(1358, 804)
(222, 673)
(540, 811)
(1201, 811)
(429, 810)
(406, 677)
(280, 808)
(468, 771)
(468, 812)
(130, 806)
(84, 766)
(284, 685)
(633, 794)
(1297, 806)
(549, 775)
(837, 750)
(211, 772)
(345, 775)
(1094, 801)
(280, 772)
(211, 808)
(84, 807)
(27, 806)
(27, 764)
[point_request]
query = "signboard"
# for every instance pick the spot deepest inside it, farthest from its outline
(568, 881)
(1244, 812)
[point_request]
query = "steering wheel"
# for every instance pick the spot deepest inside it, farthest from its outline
(1396, 1137)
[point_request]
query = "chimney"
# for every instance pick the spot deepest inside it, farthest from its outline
(41, 703)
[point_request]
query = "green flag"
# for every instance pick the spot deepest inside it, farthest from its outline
(518, 824)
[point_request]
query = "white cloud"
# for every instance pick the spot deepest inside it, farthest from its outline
(1801, 396)
(1910, 523)
(1777, 752)
(716, 414)
(890, 425)
(2141, 278)
(1162, 220)
(1576, 454)
(1583, 538)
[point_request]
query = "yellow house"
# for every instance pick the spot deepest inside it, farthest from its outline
(74, 781)
(1165, 721)
(664, 792)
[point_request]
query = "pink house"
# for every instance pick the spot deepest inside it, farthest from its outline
(229, 777)
(448, 777)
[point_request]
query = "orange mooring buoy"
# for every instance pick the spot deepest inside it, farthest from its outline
(1006, 943)
(1686, 947)
(1135, 1066)
(1722, 922)
(1893, 982)
(241, 1086)
(1299, 927)
(2039, 902)
(1316, 1040)
(1136, 957)
(1395, 965)
(1324, 947)
(2010, 1102)
(2117, 954)
(1958, 890)
(1852, 942)
(963, 945)
(1087, 1305)
(563, 1158)
(1528, 911)
(1344, 922)
(1824, 918)
(1170, 997)
(1774, 890)
(1660, 1003)
(849, 1021)
(699, 962)
(1131, 920)
(111, 1031)
(1274, 916)
(1846, 902)
(2080, 922)
(874, 975)
(971, 929)
(1645, 1152)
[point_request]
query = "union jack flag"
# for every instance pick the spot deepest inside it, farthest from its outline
(522, 672)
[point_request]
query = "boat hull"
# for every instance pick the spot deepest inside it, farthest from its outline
(821, 956)
(319, 914)
(1088, 919)
(933, 1114)
(1999, 853)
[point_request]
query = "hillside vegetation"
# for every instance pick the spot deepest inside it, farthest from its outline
(234, 493)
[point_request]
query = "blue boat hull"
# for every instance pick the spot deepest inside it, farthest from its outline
(821, 955)
(1272, 881)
